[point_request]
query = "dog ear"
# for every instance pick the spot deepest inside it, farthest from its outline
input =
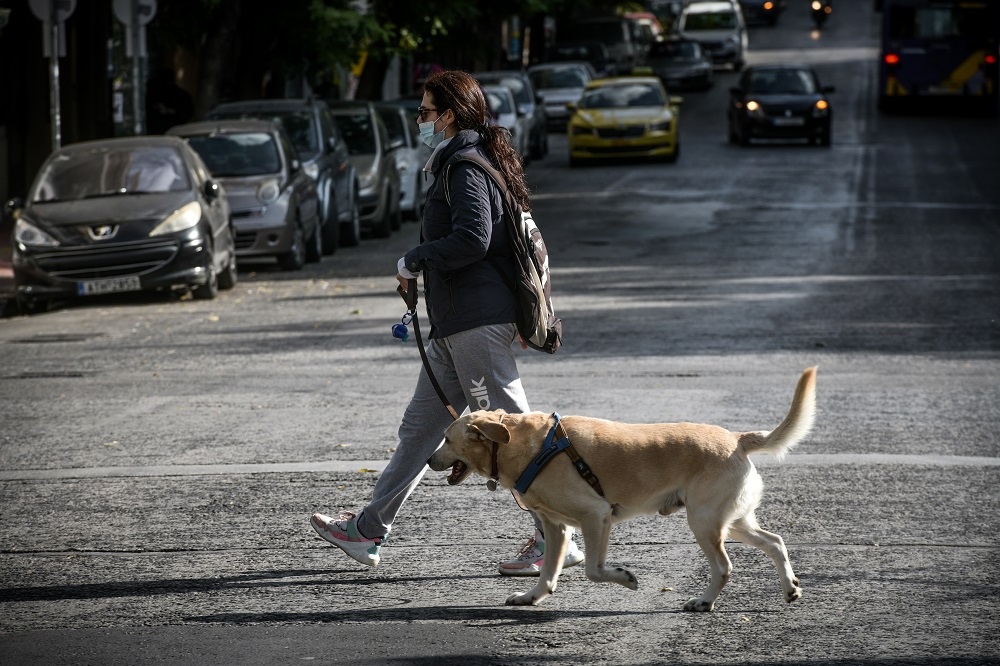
(490, 430)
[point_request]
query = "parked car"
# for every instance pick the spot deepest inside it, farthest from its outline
(681, 64)
(501, 101)
(719, 28)
(762, 11)
(624, 39)
(629, 116)
(275, 205)
(411, 156)
(558, 84)
(324, 155)
(529, 104)
(121, 215)
(596, 53)
(368, 143)
(780, 102)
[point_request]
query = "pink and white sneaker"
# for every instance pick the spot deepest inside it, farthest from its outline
(343, 533)
(528, 561)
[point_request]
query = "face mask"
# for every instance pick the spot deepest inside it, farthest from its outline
(427, 134)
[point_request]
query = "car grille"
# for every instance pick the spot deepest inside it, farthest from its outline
(621, 132)
(84, 263)
(245, 239)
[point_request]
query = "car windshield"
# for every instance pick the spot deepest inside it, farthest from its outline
(675, 50)
(782, 81)
(83, 174)
(234, 155)
(298, 124)
(516, 85)
(358, 131)
(567, 77)
(710, 21)
(622, 96)
(499, 102)
(394, 124)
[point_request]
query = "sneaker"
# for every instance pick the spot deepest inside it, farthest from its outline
(528, 561)
(343, 533)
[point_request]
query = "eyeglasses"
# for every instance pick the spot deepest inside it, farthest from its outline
(422, 113)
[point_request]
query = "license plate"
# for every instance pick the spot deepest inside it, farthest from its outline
(109, 285)
(789, 122)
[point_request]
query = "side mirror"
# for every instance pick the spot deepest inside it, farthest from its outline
(11, 206)
(522, 109)
(212, 190)
(294, 165)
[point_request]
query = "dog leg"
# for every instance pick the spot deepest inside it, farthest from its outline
(596, 533)
(710, 538)
(749, 532)
(556, 543)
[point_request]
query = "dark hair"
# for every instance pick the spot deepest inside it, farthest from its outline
(460, 92)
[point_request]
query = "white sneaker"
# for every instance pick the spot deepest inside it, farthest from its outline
(528, 561)
(343, 533)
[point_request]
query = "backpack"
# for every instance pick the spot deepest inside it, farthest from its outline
(536, 321)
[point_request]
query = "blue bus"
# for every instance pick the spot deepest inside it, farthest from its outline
(939, 50)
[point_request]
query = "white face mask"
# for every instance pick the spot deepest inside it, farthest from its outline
(427, 134)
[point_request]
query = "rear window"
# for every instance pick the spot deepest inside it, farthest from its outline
(359, 132)
(234, 155)
(724, 20)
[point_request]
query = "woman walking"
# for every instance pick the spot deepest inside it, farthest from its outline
(467, 264)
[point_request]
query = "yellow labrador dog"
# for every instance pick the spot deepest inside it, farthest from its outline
(641, 469)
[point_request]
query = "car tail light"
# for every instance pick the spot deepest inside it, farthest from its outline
(891, 59)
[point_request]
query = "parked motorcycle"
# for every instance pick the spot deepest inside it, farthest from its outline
(821, 10)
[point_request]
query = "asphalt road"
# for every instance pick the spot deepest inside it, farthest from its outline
(159, 458)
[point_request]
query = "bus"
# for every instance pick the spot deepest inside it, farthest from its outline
(939, 51)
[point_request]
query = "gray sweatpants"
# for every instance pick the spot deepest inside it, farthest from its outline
(475, 368)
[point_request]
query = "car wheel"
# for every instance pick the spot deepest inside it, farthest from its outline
(743, 138)
(350, 232)
(732, 132)
(331, 226)
(314, 250)
(210, 289)
(295, 258)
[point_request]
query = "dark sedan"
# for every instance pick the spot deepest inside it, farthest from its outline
(276, 208)
(780, 102)
(120, 215)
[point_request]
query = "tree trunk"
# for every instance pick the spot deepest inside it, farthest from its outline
(220, 46)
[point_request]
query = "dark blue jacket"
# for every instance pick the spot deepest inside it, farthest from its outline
(464, 250)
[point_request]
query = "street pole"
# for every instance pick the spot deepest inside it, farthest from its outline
(54, 81)
(135, 26)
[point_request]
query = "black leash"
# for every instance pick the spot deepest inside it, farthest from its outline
(409, 296)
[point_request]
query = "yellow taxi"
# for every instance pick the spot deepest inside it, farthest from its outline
(624, 116)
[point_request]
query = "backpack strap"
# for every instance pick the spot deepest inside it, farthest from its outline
(473, 157)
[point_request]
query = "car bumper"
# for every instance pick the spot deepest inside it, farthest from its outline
(263, 232)
(138, 266)
(662, 144)
(774, 128)
(371, 205)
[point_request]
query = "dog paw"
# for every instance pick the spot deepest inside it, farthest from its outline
(698, 605)
(794, 593)
(629, 579)
(522, 600)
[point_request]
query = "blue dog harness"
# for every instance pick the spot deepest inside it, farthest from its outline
(550, 448)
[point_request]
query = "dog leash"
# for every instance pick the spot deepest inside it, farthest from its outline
(409, 296)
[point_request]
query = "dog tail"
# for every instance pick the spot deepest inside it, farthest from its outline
(795, 426)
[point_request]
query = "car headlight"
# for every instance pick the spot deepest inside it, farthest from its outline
(183, 218)
(27, 233)
(268, 191)
(312, 170)
(662, 126)
(403, 166)
(755, 109)
(366, 180)
(580, 130)
(821, 109)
